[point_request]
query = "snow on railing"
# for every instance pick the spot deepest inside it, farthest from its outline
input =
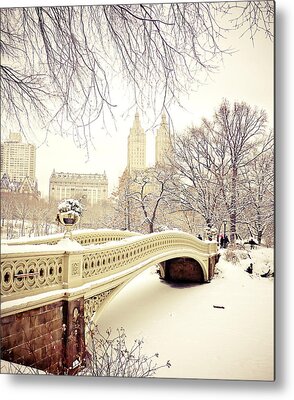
(34, 269)
(82, 236)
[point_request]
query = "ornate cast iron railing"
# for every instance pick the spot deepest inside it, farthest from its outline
(27, 271)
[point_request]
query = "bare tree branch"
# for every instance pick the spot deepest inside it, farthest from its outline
(60, 65)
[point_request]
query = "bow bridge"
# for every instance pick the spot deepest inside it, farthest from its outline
(51, 287)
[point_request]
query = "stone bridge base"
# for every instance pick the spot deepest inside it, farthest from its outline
(50, 338)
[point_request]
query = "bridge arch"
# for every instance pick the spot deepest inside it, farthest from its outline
(57, 280)
(107, 296)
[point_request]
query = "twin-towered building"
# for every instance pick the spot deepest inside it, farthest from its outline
(137, 145)
(94, 187)
(18, 166)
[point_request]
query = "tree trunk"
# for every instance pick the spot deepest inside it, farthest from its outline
(22, 227)
(259, 237)
(233, 205)
(259, 227)
(151, 227)
(7, 229)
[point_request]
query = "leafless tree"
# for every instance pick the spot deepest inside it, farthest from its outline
(243, 133)
(198, 190)
(8, 202)
(185, 220)
(24, 207)
(99, 215)
(143, 198)
(149, 190)
(60, 64)
(211, 160)
(258, 14)
(258, 189)
(42, 217)
(124, 214)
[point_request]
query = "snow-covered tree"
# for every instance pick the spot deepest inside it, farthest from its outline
(258, 189)
(143, 199)
(242, 129)
(150, 193)
(7, 214)
(198, 188)
(211, 160)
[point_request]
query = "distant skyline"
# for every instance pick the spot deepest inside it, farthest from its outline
(247, 75)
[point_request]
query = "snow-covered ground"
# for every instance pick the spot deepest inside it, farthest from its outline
(181, 323)
(220, 330)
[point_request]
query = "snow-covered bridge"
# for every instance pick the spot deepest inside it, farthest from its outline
(52, 289)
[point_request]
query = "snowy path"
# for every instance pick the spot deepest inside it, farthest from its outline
(180, 322)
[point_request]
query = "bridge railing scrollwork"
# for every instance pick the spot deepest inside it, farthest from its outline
(114, 257)
(36, 272)
(23, 274)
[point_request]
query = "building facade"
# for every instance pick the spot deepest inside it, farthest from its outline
(24, 186)
(18, 159)
(163, 145)
(93, 188)
(136, 147)
(18, 167)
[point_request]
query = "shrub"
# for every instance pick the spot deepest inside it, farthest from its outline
(235, 253)
(231, 255)
(109, 355)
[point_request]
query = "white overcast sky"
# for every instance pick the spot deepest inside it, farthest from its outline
(247, 75)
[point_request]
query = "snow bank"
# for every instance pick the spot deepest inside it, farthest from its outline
(261, 257)
(180, 322)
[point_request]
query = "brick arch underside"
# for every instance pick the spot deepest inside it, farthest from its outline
(182, 269)
(198, 265)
